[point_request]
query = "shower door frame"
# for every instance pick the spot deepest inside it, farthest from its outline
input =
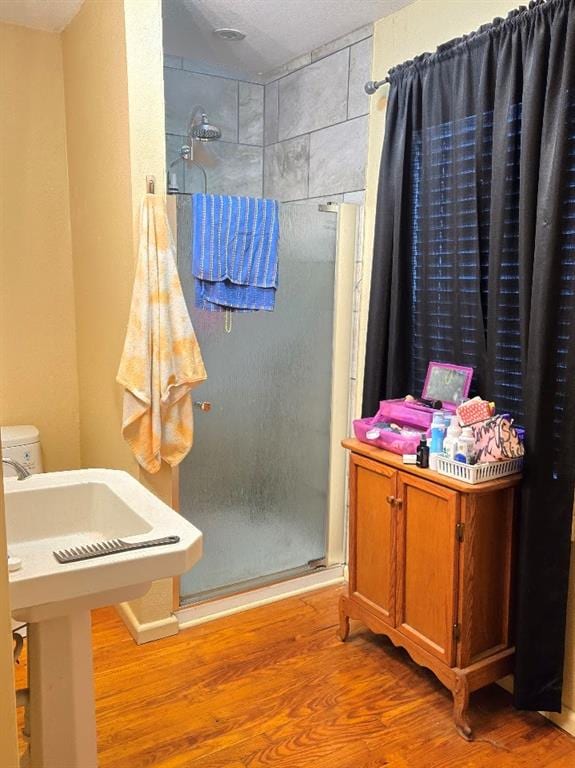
(347, 231)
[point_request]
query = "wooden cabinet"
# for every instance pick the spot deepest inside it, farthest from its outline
(430, 566)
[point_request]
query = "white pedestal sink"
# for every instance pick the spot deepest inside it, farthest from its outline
(66, 509)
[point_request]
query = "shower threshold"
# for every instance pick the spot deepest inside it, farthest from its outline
(215, 603)
(250, 584)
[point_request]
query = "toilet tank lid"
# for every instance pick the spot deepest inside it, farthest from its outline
(19, 435)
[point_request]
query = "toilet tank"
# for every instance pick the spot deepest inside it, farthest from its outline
(21, 443)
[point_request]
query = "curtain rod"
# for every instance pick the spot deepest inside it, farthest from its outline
(495, 26)
(372, 85)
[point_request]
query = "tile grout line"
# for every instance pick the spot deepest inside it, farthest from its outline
(317, 130)
(349, 45)
(238, 111)
(321, 58)
(279, 107)
(265, 158)
(321, 197)
(308, 162)
(220, 141)
(264, 153)
(348, 79)
(212, 74)
(264, 120)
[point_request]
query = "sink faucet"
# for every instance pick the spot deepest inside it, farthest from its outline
(21, 470)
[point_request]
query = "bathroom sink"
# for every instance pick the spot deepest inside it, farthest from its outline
(60, 510)
(57, 511)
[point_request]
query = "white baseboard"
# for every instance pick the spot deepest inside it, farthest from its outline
(146, 632)
(192, 615)
(565, 719)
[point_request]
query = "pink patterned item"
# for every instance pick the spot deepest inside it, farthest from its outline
(473, 411)
(497, 439)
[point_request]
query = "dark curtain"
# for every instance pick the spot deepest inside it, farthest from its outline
(474, 263)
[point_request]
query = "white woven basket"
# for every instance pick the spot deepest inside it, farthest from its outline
(478, 473)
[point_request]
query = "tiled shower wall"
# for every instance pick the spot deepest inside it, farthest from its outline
(315, 122)
(300, 137)
(234, 164)
(315, 139)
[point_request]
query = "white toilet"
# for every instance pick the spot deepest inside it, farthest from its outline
(21, 443)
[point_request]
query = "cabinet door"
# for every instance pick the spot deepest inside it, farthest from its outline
(372, 535)
(427, 565)
(485, 573)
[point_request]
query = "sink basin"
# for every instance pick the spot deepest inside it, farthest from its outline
(60, 510)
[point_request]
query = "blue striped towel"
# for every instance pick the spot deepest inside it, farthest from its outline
(234, 252)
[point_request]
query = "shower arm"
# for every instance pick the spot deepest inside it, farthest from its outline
(197, 110)
(187, 155)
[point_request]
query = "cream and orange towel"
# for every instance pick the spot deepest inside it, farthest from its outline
(161, 361)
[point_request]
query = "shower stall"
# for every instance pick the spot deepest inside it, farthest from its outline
(265, 480)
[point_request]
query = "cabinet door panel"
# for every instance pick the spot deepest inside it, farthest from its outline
(485, 569)
(372, 536)
(427, 565)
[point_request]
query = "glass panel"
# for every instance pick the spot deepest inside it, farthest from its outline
(256, 480)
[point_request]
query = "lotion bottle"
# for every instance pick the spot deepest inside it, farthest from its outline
(466, 444)
(450, 442)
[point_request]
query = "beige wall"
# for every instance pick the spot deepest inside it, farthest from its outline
(114, 111)
(38, 381)
(95, 75)
(420, 27)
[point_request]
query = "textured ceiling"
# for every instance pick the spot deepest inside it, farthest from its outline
(51, 15)
(277, 30)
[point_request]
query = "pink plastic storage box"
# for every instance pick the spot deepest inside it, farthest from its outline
(412, 418)
(445, 382)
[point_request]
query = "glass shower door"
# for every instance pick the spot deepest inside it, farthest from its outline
(256, 480)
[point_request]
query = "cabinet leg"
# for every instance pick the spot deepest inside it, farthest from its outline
(460, 705)
(343, 621)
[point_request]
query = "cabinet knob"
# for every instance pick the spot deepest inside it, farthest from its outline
(391, 500)
(398, 503)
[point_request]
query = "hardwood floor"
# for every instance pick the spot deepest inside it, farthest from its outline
(275, 687)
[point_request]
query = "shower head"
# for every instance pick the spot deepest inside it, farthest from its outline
(204, 131)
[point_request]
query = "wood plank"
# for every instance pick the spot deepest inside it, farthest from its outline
(275, 687)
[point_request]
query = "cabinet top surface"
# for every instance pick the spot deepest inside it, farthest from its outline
(395, 461)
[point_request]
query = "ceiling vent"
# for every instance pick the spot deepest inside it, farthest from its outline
(229, 34)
